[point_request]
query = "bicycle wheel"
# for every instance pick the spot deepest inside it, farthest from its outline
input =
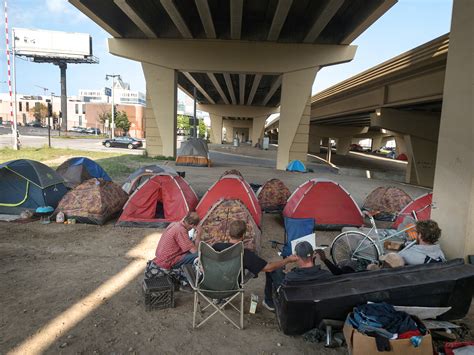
(353, 246)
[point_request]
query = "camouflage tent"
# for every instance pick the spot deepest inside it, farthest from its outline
(216, 223)
(273, 195)
(94, 201)
(386, 201)
(232, 172)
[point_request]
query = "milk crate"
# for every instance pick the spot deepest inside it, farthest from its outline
(159, 293)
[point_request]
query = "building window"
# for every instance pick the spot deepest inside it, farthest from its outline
(77, 110)
(20, 106)
(80, 120)
(83, 109)
(28, 106)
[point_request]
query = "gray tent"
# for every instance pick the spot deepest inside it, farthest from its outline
(143, 174)
(193, 152)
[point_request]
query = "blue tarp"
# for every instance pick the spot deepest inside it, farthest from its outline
(296, 165)
(296, 228)
(94, 169)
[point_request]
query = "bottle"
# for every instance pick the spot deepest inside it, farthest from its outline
(60, 217)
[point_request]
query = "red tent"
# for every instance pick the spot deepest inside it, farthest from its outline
(163, 199)
(422, 206)
(230, 187)
(327, 202)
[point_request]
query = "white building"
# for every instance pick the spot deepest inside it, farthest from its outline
(122, 95)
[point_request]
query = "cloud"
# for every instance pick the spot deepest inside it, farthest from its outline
(57, 6)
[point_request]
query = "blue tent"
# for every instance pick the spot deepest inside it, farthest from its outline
(79, 169)
(28, 184)
(296, 165)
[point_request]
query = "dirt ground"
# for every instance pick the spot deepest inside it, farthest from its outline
(76, 288)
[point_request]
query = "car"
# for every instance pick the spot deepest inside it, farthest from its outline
(356, 147)
(34, 124)
(77, 129)
(123, 142)
(93, 131)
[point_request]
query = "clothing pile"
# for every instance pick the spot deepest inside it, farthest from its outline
(384, 323)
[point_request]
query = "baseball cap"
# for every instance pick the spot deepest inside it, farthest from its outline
(393, 259)
(304, 249)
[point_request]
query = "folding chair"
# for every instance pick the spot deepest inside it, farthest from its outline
(220, 277)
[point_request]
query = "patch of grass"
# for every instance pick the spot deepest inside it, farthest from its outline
(117, 164)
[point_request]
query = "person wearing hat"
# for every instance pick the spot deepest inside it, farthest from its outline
(306, 270)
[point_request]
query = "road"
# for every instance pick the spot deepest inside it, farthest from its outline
(37, 141)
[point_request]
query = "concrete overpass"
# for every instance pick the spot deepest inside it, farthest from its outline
(400, 98)
(247, 59)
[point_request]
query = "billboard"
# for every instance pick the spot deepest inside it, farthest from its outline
(52, 44)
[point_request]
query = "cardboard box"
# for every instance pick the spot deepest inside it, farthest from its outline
(393, 245)
(361, 344)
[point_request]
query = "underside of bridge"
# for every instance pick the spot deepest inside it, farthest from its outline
(247, 59)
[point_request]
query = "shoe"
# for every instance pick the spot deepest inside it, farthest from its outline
(269, 305)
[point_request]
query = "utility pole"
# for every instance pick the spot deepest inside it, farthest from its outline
(15, 134)
(113, 76)
(194, 120)
(63, 67)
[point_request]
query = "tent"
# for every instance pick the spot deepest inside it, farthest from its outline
(386, 201)
(94, 201)
(139, 176)
(296, 165)
(79, 169)
(163, 199)
(273, 195)
(230, 187)
(193, 152)
(216, 222)
(422, 206)
(28, 184)
(331, 206)
(232, 172)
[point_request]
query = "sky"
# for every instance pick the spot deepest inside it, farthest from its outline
(409, 23)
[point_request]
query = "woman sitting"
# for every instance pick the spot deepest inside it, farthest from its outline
(427, 249)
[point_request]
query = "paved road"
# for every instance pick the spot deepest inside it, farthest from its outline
(80, 144)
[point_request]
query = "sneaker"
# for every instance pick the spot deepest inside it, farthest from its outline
(269, 305)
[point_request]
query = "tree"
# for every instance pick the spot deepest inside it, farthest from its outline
(202, 129)
(121, 121)
(40, 112)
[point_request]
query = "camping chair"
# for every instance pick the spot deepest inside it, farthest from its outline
(294, 228)
(220, 277)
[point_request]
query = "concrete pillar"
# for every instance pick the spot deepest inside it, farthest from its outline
(343, 145)
(376, 142)
(385, 141)
(258, 126)
(314, 145)
(295, 110)
(454, 178)
(325, 141)
(421, 162)
(160, 114)
(401, 146)
(216, 129)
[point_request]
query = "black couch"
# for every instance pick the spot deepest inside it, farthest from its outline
(300, 306)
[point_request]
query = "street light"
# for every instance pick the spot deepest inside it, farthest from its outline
(113, 76)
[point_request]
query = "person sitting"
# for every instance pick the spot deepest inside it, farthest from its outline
(388, 261)
(175, 248)
(252, 262)
(426, 250)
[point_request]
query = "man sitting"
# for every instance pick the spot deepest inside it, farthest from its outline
(175, 248)
(426, 250)
(274, 272)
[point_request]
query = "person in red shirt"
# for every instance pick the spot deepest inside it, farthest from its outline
(175, 248)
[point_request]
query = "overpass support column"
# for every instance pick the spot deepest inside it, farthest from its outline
(314, 140)
(420, 131)
(343, 145)
(216, 128)
(160, 113)
(258, 126)
(454, 177)
(401, 146)
(295, 110)
(376, 142)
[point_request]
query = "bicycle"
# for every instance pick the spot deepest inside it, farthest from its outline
(365, 248)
